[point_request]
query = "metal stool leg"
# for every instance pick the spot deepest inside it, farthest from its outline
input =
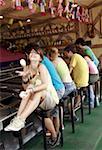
(72, 119)
(20, 139)
(44, 133)
(82, 116)
(1, 142)
(100, 89)
(95, 104)
(60, 119)
(89, 99)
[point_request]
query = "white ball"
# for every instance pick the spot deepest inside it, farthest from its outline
(22, 94)
(23, 62)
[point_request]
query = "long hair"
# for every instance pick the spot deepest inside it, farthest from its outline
(36, 47)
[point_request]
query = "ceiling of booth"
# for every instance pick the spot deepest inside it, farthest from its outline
(36, 18)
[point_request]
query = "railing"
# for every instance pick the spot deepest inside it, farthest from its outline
(8, 74)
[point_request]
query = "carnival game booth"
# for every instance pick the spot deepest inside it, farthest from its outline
(47, 23)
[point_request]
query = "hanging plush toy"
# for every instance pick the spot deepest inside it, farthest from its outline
(66, 10)
(78, 15)
(42, 7)
(50, 4)
(38, 1)
(31, 6)
(13, 4)
(73, 12)
(80, 11)
(86, 16)
(2, 3)
(44, 2)
(52, 8)
(83, 14)
(16, 4)
(60, 8)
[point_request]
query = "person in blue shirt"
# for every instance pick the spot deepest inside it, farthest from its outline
(59, 86)
(57, 82)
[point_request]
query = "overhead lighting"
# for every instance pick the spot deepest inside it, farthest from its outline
(1, 17)
(28, 20)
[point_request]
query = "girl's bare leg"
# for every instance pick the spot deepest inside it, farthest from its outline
(78, 99)
(49, 125)
(31, 105)
(56, 123)
(23, 104)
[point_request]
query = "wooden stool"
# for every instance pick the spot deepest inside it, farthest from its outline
(61, 104)
(89, 99)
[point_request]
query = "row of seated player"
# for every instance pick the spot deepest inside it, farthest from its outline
(44, 88)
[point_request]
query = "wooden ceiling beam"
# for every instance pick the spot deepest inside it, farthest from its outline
(97, 46)
(101, 25)
(91, 4)
(95, 5)
(97, 31)
(97, 17)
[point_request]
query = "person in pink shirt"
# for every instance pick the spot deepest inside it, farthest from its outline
(93, 77)
(93, 70)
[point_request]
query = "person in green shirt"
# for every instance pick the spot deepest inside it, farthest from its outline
(80, 43)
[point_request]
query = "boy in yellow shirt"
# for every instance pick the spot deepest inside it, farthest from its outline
(78, 68)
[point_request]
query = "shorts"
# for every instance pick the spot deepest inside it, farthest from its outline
(54, 112)
(60, 93)
(48, 103)
(93, 78)
(69, 87)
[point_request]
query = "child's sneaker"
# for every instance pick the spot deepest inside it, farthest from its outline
(55, 142)
(15, 125)
(76, 118)
(97, 101)
(62, 127)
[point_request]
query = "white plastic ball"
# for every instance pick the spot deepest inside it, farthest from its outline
(23, 62)
(22, 94)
